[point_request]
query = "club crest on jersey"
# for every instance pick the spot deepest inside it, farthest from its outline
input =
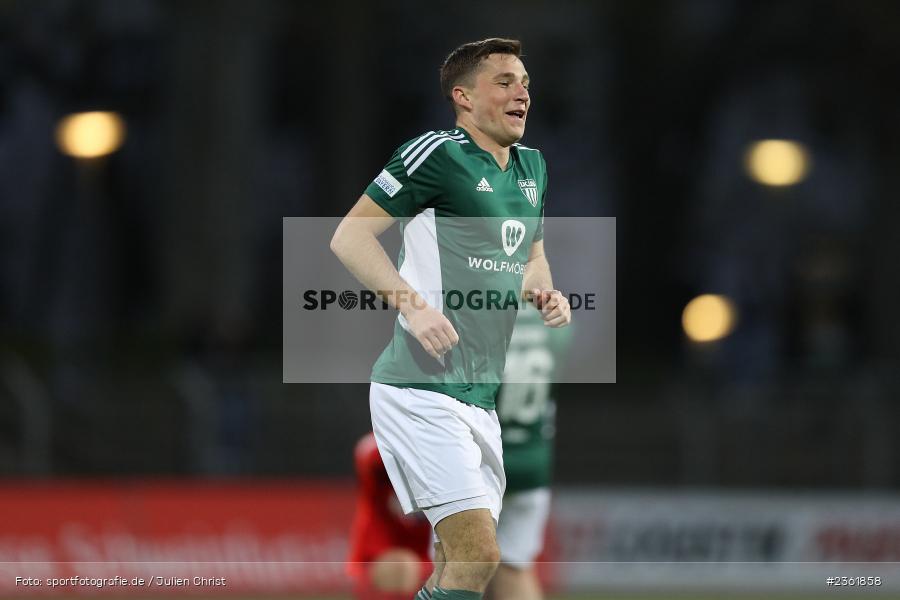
(529, 188)
(512, 233)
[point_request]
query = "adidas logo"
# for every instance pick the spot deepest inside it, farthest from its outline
(483, 186)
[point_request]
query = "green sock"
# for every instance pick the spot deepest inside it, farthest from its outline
(423, 594)
(442, 594)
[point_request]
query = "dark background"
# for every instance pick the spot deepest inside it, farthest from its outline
(140, 322)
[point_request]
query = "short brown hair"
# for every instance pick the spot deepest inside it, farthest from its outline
(463, 62)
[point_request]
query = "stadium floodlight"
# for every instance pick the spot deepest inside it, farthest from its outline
(90, 134)
(777, 163)
(708, 318)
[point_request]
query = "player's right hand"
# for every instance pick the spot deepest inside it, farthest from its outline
(432, 329)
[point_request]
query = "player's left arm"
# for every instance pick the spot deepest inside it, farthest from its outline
(538, 287)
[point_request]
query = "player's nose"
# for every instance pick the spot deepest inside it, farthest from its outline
(522, 93)
(522, 97)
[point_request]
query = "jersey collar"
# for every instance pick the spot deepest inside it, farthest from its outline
(473, 147)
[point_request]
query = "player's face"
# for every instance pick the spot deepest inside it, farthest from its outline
(500, 99)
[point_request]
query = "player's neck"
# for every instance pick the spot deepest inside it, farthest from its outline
(488, 144)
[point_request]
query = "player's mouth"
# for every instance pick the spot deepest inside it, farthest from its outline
(517, 116)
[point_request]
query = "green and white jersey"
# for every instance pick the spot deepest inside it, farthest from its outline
(525, 403)
(467, 229)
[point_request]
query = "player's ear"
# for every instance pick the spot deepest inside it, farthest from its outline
(461, 97)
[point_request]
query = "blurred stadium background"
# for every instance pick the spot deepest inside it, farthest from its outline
(747, 149)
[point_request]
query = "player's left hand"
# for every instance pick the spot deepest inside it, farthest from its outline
(554, 307)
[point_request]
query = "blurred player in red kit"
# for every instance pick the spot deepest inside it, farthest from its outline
(389, 557)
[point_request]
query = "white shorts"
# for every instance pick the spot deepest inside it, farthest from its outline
(520, 533)
(443, 456)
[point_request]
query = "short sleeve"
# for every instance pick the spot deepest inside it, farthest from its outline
(410, 180)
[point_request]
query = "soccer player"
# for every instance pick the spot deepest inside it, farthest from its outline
(470, 201)
(526, 407)
(388, 550)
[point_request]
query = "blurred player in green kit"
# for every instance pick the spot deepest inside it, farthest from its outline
(526, 408)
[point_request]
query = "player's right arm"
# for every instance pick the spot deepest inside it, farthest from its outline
(355, 243)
